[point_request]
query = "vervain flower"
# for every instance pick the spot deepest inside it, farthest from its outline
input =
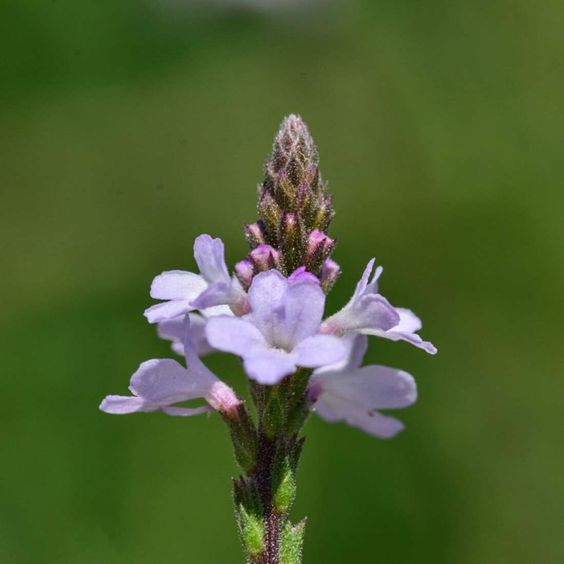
(369, 313)
(158, 384)
(281, 331)
(270, 314)
(354, 394)
(186, 291)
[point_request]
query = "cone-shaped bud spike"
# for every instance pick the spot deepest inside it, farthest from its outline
(294, 149)
(329, 274)
(319, 247)
(293, 204)
(244, 270)
(264, 257)
(254, 232)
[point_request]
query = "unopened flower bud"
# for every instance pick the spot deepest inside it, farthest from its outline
(264, 257)
(244, 270)
(302, 275)
(270, 214)
(319, 247)
(323, 214)
(291, 241)
(329, 274)
(254, 232)
(223, 399)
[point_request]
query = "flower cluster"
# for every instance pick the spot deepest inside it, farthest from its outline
(270, 312)
(275, 327)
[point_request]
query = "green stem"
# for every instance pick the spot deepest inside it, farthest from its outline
(268, 454)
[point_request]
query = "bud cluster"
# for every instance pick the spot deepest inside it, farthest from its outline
(294, 212)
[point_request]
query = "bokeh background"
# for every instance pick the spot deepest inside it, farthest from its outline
(128, 128)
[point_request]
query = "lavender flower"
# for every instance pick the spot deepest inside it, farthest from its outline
(281, 331)
(270, 314)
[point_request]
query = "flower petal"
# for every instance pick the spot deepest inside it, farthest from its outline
(265, 296)
(412, 338)
(164, 382)
(356, 346)
(269, 366)
(187, 411)
(320, 350)
(121, 405)
(175, 330)
(408, 322)
(370, 387)
(301, 312)
(370, 312)
(216, 294)
(210, 257)
(167, 310)
(234, 335)
(373, 423)
(177, 285)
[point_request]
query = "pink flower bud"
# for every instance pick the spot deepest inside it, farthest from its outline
(329, 274)
(264, 257)
(244, 271)
(302, 275)
(254, 234)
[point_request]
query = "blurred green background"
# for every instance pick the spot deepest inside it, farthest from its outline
(128, 128)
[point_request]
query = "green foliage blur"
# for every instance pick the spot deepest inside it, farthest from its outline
(128, 128)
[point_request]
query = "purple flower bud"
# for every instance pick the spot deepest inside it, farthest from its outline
(319, 247)
(302, 275)
(329, 274)
(254, 232)
(264, 257)
(244, 270)
(319, 243)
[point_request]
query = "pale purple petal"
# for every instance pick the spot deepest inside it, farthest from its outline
(319, 350)
(216, 310)
(370, 312)
(187, 411)
(376, 424)
(121, 405)
(372, 287)
(269, 366)
(265, 296)
(175, 330)
(177, 285)
(301, 310)
(167, 310)
(333, 409)
(356, 346)
(412, 338)
(374, 311)
(210, 257)
(370, 387)
(363, 282)
(302, 275)
(409, 322)
(216, 294)
(234, 335)
(164, 382)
